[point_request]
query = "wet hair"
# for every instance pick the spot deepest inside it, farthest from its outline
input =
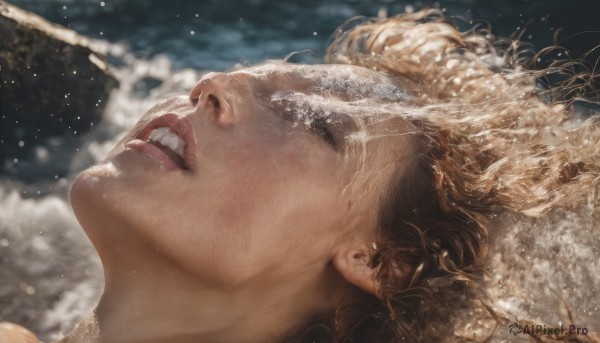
(493, 137)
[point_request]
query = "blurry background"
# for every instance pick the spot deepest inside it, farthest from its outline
(49, 274)
(213, 34)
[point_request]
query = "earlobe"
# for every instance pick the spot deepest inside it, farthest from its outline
(353, 264)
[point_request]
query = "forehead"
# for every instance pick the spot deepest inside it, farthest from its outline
(344, 82)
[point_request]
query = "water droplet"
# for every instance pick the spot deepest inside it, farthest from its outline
(102, 3)
(314, 33)
(21, 144)
(192, 33)
(30, 290)
(64, 8)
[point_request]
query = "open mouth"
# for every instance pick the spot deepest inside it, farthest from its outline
(170, 143)
(169, 140)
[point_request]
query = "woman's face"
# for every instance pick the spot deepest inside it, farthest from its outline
(273, 167)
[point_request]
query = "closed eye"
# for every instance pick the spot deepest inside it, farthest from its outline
(316, 124)
(319, 126)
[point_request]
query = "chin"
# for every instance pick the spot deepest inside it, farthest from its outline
(93, 183)
(114, 201)
(112, 180)
(90, 190)
(100, 196)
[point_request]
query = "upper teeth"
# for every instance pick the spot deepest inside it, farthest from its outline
(168, 138)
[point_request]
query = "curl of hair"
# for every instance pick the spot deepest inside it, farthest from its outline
(489, 140)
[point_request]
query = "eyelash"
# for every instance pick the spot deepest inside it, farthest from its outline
(319, 127)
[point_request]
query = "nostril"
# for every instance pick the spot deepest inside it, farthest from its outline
(214, 101)
(209, 97)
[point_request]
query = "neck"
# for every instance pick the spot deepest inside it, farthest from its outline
(144, 305)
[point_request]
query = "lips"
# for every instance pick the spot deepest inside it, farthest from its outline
(167, 158)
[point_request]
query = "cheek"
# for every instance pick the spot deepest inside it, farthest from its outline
(261, 176)
(264, 183)
(281, 156)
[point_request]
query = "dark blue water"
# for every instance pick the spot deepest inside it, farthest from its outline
(215, 34)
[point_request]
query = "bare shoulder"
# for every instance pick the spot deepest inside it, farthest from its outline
(13, 333)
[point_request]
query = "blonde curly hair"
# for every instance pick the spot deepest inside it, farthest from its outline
(491, 140)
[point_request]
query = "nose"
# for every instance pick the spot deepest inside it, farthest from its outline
(212, 95)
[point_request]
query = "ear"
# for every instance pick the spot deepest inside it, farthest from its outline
(352, 263)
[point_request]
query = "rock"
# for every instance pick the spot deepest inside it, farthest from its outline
(51, 85)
